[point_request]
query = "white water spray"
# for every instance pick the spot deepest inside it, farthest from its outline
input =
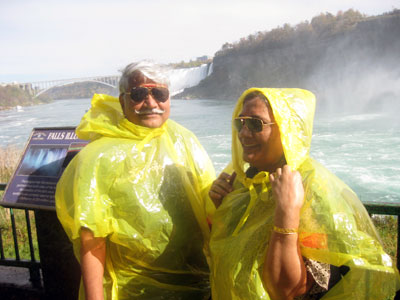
(189, 77)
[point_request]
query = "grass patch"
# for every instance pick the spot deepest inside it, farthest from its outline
(21, 234)
(9, 158)
(387, 229)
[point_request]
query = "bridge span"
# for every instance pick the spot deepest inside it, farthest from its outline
(39, 87)
(179, 80)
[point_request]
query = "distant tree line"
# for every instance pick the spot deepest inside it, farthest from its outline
(80, 90)
(321, 27)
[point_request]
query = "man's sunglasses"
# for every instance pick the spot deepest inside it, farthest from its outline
(253, 124)
(159, 93)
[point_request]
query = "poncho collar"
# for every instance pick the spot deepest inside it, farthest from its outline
(141, 132)
(105, 119)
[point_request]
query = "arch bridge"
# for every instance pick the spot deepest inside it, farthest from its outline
(35, 89)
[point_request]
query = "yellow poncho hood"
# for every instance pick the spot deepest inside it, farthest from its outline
(297, 129)
(334, 226)
(145, 190)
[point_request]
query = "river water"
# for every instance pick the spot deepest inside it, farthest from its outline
(362, 149)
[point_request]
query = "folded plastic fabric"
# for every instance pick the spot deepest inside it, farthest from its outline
(144, 189)
(335, 228)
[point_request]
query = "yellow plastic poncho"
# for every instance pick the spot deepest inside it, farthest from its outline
(334, 225)
(143, 189)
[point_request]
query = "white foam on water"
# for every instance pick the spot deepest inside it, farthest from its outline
(15, 124)
(359, 117)
(221, 155)
(31, 120)
(323, 137)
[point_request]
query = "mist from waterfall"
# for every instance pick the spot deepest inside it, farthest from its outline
(359, 72)
(358, 86)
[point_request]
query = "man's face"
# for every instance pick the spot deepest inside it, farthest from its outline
(149, 112)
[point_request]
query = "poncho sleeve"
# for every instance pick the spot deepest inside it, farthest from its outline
(82, 198)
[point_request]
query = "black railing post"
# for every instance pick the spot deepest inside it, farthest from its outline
(28, 227)
(14, 231)
(1, 244)
(34, 269)
(2, 188)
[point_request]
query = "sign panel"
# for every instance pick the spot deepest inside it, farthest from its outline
(48, 152)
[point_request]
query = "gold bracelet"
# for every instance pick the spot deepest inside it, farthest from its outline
(285, 230)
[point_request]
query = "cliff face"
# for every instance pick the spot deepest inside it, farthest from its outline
(12, 95)
(357, 69)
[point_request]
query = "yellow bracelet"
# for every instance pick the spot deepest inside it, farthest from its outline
(285, 230)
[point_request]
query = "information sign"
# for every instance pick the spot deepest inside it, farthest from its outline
(46, 155)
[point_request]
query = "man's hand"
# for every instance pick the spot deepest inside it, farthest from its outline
(221, 187)
(93, 257)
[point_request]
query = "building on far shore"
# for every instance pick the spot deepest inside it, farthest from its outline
(204, 58)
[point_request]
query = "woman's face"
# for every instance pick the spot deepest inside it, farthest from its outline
(263, 149)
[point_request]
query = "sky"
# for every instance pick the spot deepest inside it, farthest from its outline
(50, 39)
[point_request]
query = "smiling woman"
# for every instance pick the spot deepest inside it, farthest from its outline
(286, 228)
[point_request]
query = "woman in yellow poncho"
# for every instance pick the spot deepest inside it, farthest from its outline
(286, 227)
(132, 200)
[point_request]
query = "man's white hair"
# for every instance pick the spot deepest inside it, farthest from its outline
(149, 69)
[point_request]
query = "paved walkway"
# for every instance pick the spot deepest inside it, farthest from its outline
(15, 285)
(14, 276)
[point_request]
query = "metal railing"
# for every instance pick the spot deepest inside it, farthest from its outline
(32, 264)
(392, 210)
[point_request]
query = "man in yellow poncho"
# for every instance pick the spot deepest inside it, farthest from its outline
(286, 227)
(132, 201)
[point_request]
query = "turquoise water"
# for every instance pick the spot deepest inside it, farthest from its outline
(362, 149)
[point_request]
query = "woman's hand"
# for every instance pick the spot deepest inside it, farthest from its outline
(284, 273)
(288, 191)
(221, 187)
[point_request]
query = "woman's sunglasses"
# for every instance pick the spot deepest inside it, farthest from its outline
(253, 124)
(159, 93)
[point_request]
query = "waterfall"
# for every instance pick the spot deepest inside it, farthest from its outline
(188, 77)
(210, 69)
